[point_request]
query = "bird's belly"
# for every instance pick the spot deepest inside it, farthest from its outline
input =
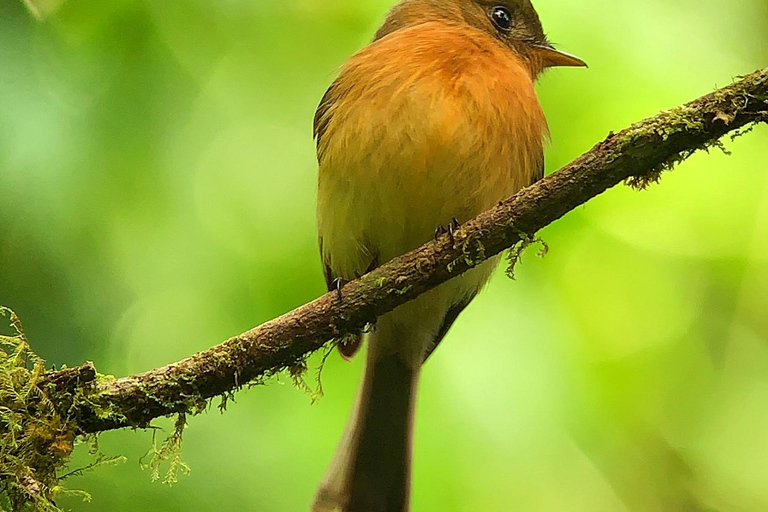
(394, 204)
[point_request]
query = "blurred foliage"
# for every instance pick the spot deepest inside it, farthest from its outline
(157, 180)
(41, 9)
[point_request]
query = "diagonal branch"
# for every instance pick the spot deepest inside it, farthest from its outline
(636, 155)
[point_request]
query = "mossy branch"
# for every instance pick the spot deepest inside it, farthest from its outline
(42, 413)
(636, 155)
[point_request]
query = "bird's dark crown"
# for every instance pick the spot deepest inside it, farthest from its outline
(526, 27)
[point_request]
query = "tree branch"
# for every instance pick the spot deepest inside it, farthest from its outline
(636, 155)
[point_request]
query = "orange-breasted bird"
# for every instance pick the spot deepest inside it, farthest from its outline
(433, 122)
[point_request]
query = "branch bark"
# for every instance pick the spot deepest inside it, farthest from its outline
(636, 155)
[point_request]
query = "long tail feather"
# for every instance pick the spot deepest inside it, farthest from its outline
(371, 469)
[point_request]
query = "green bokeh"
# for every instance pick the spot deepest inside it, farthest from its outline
(157, 179)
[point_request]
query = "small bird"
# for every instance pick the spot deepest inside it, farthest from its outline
(432, 123)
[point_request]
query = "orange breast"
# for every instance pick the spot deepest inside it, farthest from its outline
(428, 123)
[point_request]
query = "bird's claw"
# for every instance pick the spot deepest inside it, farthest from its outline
(338, 284)
(452, 227)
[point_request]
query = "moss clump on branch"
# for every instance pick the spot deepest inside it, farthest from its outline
(39, 424)
(35, 439)
(39, 430)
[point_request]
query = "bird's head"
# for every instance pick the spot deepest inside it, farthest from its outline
(514, 23)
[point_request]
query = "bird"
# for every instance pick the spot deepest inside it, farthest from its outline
(433, 122)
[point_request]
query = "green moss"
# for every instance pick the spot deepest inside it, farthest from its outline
(300, 369)
(297, 372)
(687, 118)
(515, 253)
(37, 436)
(403, 290)
(106, 412)
(170, 453)
(472, 253)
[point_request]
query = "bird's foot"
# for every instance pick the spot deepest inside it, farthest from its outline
(452, 227)
(337, 284)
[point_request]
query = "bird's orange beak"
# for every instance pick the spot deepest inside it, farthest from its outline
(551, 57)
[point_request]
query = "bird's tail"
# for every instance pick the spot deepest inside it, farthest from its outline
(371, 469)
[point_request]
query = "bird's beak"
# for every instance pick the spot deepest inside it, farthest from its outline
(551, 57)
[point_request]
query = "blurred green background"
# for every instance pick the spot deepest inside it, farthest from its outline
(157, 180)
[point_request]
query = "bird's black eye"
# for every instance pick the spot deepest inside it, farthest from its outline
(501, 18)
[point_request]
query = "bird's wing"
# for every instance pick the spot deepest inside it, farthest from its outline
(348, 345)
(324, 113)
(320, 124)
